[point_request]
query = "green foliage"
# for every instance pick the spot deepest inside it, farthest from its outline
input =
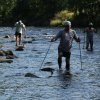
(6, 7)
(37, 12)
(60, 17)
(85, 10)
(41, 12)
(55, 22)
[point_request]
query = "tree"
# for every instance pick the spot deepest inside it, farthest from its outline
(6, 7)
(85, 10)
(37, 12)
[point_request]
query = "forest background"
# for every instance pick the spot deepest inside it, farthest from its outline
(50, 12)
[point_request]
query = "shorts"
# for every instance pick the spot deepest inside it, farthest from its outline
(64, 53)
(18, 34)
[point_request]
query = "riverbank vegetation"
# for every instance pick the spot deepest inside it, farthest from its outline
(49, 12)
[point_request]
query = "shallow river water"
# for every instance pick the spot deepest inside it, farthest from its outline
(82, 85)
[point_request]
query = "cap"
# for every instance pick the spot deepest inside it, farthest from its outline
(20, 21)
(90, 24)
(65, 23)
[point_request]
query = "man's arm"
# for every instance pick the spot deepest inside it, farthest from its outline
(24, 27)
(95, 30)
(76, 38)
(16, 24)
(56, 37)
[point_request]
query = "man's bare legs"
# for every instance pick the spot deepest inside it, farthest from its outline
(60, 59)
(20, 39)
(16, 40)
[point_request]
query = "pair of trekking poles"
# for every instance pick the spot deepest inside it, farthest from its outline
(49, 49)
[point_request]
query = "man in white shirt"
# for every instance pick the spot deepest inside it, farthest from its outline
(19, 30)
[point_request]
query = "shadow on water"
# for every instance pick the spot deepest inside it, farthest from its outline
(64, 78)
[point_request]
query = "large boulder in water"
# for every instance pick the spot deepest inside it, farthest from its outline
(9, 54)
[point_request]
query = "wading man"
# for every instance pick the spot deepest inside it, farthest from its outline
(89, 36)
(19, 29)
(66, 37)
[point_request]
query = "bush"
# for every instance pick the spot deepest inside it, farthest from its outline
(55, 22)
(60, 17)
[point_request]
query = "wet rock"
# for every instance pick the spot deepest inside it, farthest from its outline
(33, 39)
(11, 57)
(2, 53)
(45, 33)
(3, 60)
(7, 36)
(8, 52)
(48, 63)
(48, 70)
(19, 48)
(31, 75)
(27, 41)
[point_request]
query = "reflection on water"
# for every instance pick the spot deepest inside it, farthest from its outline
(81, 85)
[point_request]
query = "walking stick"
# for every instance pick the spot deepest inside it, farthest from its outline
(84, 42)
(80, 56)
(25, 39)
(45, 56)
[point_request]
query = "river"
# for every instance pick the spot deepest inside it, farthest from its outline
(82, 85)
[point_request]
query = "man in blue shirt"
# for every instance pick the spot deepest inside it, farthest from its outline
(66, 37)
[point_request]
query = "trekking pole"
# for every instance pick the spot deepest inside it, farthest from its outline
(84, 42)
(80, 56)
(25, 38)
(45, 55)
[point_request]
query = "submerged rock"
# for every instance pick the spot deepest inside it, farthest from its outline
(48, 70)
(11, 57)
(27, 41)
(3, 60)
(7, 36)
(45, 33)
(48, 63)
(31, 75)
